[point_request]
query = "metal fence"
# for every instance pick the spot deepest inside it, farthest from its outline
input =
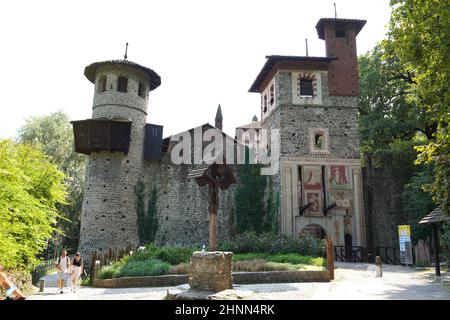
(44, 267)
(388, 255)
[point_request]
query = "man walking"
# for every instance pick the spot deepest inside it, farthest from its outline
(62, 266)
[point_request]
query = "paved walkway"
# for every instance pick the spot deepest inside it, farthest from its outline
(352, 281)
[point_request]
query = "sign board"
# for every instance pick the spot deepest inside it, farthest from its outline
(404, 235)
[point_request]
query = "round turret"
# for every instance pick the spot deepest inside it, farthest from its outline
(116, 154)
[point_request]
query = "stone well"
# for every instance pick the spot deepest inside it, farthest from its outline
(210, 271)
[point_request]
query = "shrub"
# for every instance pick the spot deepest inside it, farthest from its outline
(150, 267)
(144, 268)
(171, 255)
(291, 258)
(174, 255)
(182, 268)
(249, 242)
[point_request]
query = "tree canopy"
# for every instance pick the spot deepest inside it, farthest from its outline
(31, 187)
(53, 134)
(419, 39)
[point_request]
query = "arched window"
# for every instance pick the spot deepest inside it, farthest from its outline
(319, 143)
(314, 230)
(122, 84)
(319, 140)
(306, 87)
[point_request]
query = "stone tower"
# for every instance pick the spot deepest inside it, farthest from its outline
(313, 101)
(114, 141)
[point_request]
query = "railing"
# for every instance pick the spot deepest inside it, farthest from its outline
(42, 268)
(388, 255)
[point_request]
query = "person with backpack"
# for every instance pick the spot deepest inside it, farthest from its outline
(62, 266)
(77, 270)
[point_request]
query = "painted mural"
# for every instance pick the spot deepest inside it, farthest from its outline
(339, 178)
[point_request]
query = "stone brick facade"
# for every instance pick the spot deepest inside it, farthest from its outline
(328, 115)
(317, 132)
(108, 218)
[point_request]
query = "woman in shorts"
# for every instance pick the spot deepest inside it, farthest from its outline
(77, 270)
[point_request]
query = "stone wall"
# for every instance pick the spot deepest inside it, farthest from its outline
(238, 278)
(182, 212)
(338, 115)
(383, 207)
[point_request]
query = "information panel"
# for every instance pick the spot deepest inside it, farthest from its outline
(404, 235)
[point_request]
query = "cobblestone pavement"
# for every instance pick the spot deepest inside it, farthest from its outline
(352, 281)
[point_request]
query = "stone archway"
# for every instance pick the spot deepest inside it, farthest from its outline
(315, 230)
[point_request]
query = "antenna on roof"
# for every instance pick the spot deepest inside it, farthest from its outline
(306, 42)
(335, 13)
(126, 51)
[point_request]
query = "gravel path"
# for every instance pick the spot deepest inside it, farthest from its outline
(352, 281)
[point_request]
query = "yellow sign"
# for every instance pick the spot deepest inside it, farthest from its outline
(404, 230)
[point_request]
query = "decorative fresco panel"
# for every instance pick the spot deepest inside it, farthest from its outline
(339, 177)
(312, 177)
(344, 200)
(315, 198)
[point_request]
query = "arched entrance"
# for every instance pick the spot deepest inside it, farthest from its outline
(315, 230)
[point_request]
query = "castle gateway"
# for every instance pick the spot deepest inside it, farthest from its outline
(130, 177)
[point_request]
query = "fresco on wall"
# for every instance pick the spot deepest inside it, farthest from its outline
(312, 177)
(344, 200)
(339, 177)
(315, 199)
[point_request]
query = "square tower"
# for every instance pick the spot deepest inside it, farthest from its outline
(313, 102)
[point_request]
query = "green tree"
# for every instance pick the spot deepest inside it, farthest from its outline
(419, 38)
(390, 126)
(31, 187)
(53, 134)
(417, 203)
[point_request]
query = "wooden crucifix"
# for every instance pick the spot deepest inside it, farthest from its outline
(214, 176)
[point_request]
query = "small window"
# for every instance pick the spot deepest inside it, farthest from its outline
(141, 90)
(122, 84)
(319, 141)
(265, 104)
(340, 33)
(272, 95)
(306, 87)
(102, 84)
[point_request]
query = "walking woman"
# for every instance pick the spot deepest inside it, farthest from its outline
(77, 270)
(12, 293)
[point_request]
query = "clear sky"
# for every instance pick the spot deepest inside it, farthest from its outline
(206, 51)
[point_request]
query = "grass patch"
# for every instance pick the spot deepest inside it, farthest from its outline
(151, 267)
